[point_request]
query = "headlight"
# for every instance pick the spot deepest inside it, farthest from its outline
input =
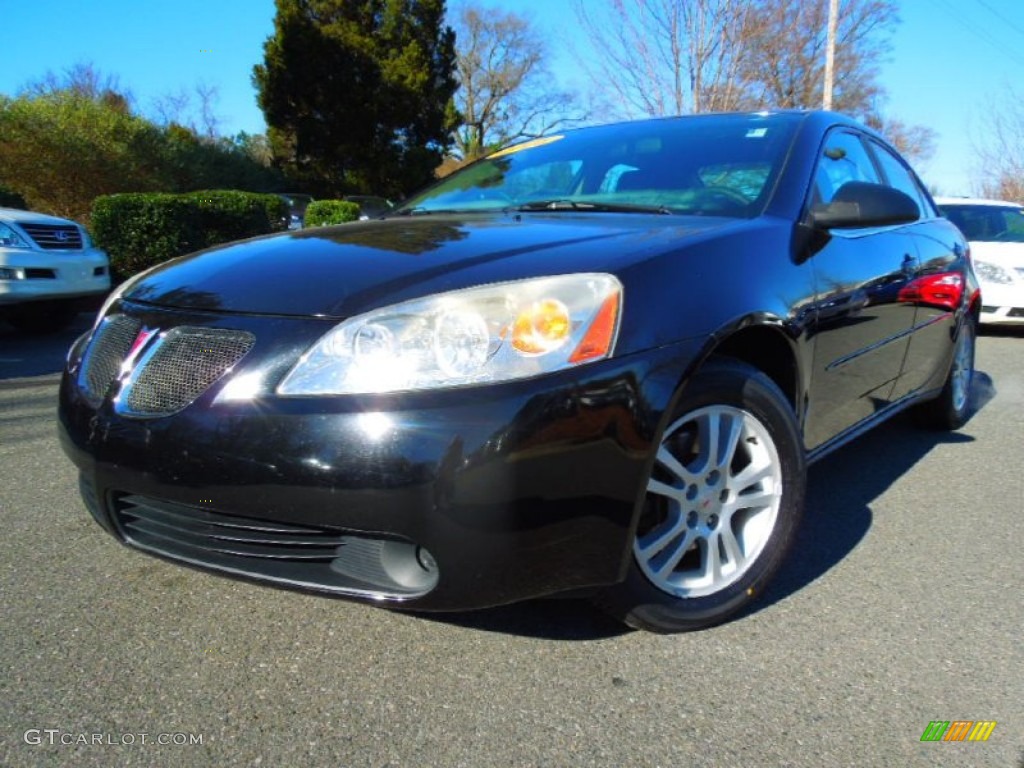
(478, 335)
(11, 239)
(992, 273)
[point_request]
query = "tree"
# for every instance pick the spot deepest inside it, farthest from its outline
(84, 80)
(673, 57)
(784, 70)
(189, 162)
(1001, 155)
(66, 140)
(914, 142)
(176, 108)
(61, 149)
(505, 91)
(666, 57)
(357, 94)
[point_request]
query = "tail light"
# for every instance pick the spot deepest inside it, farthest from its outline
(944, 290)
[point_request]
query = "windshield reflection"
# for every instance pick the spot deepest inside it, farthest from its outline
(723, 165)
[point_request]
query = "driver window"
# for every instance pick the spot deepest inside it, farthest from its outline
(843, 159)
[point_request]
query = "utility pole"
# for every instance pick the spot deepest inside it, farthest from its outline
(830, 53)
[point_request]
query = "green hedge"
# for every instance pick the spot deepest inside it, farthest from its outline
(139, 230)
(320, 213)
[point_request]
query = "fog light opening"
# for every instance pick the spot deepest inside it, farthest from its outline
(426, 560)
(409, 565)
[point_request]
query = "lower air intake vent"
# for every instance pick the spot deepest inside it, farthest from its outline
(297, 555)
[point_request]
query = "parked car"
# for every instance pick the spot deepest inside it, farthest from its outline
(371, 206)
(995, 231)
(297, 204)
(594, 363)
(49, 270)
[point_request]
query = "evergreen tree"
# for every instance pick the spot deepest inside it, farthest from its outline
(357, 94)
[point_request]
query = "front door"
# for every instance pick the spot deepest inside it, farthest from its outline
(861, 327)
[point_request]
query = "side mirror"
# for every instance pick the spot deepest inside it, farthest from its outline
(862, 204)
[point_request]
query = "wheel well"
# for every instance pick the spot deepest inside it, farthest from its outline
(768, 351)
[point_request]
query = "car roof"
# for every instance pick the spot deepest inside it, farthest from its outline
(975, 201)
(18, 215)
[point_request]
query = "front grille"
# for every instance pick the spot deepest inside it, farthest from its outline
(183, 363)
(55, 236)
(105, 354)
(37, 273)
(297, 555)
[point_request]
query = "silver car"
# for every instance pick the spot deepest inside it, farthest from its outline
(49, 270)
(995, 231)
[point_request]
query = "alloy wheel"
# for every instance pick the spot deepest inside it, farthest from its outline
(712, 502)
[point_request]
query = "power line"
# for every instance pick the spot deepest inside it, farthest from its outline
(979, 32)
(1001, 17)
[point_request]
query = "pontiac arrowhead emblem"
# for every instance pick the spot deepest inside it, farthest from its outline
(140, 343)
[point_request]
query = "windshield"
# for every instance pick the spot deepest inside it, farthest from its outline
(715, 165)
(987, 223)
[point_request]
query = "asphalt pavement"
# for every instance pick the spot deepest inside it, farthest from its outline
(900, 605)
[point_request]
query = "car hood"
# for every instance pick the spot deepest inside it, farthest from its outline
(1009, 255)
(17, 216)
(341, 271)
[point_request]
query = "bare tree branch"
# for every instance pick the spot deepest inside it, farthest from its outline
(1001, 155)
(667, 57)
(505, 89)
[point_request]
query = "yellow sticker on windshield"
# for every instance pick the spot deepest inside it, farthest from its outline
(527, 145)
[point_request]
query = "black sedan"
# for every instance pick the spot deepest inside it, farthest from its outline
(595, 363)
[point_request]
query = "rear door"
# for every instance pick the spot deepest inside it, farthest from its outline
(937, 284)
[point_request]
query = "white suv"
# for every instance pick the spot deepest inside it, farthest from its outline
(995, 231)
(49, 270)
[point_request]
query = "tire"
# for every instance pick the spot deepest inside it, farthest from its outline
(738, 509)
(42, 318)
(952, 408)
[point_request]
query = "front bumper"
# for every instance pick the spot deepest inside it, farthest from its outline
(48, 275)
(1002, 304)
(436, 501)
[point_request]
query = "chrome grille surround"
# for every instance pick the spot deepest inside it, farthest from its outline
(52, 237)
(178, 367)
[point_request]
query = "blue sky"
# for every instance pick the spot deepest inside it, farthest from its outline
(951, 59)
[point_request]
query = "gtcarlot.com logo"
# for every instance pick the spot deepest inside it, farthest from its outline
(57, 737)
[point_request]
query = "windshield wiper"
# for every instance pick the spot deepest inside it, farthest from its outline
(561, 204)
